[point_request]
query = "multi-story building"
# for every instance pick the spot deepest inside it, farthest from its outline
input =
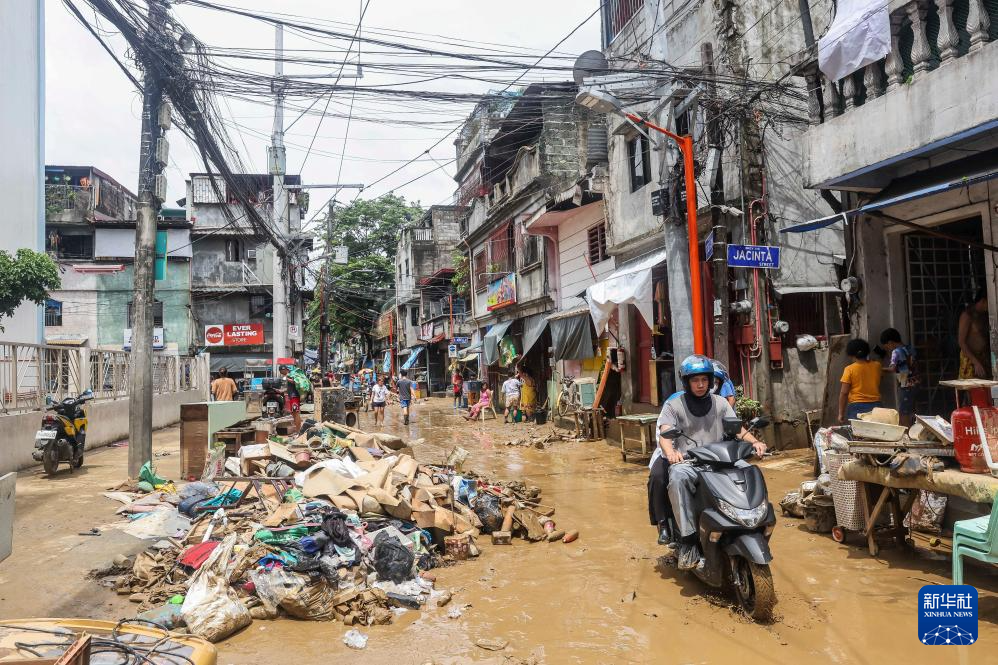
(232, 271)
(747, 139)
(909, 145)
(518, 162)
(423, 268)
(90, 232)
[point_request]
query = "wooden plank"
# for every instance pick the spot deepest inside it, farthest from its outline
(602, 382)
(283, 512)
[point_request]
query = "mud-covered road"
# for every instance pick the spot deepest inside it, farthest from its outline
(602, 599)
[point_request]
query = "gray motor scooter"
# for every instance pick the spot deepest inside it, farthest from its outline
(734, 518)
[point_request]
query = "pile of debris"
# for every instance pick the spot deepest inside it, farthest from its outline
(347, 533)
(540, 440)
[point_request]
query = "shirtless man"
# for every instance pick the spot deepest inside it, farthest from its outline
(973, 335)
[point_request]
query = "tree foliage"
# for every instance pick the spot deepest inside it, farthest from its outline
(354, 291)
(28, 276)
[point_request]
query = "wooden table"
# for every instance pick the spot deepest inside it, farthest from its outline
(641, 427)
(978, 488)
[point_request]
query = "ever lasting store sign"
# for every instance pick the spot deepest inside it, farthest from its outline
(233, 334)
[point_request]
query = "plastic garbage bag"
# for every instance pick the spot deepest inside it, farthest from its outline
(489, 510)
(148, 475)
(355, 639)
(211, 609)
(392, 560)
(927, 512)
(274, 585)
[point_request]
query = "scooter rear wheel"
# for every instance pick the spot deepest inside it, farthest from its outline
(755, 591)
(50, 460)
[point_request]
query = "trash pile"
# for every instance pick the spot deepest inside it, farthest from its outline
(334, 524)
(540, 440)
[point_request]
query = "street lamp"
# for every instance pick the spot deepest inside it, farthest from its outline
(600, 101)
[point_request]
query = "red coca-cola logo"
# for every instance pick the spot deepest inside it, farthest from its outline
(213, 334)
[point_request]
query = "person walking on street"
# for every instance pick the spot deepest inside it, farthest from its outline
(293, 401)
(457, 382)
(404, 387)
(511, 397)
(223, 389)
(379, 397)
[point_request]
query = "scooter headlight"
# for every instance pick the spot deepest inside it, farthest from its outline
(747, 518)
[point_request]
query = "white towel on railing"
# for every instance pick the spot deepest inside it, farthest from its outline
(859, 35)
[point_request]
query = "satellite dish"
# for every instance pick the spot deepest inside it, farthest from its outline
(589, 63)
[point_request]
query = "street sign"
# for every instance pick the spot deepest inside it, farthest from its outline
(753, 256)
(460, 340)
(294, 332)
(659, 202)
(157, 339)
(708, 246)
(452, 350)
(341, 254)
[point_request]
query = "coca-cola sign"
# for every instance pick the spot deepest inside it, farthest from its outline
(233, 334)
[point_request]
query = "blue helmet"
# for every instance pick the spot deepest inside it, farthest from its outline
(694, 365)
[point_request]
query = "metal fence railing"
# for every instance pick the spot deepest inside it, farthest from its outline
(29, 373)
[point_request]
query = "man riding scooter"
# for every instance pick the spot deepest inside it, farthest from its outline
(699, 414)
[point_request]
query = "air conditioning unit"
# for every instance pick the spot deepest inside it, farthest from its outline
(159, 187)
(251, 254)
(162, 151)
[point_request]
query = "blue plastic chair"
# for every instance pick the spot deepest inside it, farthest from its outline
(976, 538)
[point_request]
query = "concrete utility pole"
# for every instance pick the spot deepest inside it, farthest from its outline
(719, 261)
(323, 305)
(277, 163)
(140, 388)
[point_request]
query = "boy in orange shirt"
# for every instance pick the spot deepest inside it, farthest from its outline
(860, 391)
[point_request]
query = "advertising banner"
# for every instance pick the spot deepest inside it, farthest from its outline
(233, 334)
(502, 292)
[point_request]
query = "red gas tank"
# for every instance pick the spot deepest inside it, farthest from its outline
(966, 440)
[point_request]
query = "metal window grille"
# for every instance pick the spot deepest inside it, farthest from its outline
(616, 14)
(942, 277)
(480, 265)
(204, 191)
(639, 161)
(597, 244)
(157, 314)
(53, 313)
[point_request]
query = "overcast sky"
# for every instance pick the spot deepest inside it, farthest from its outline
(93, 112)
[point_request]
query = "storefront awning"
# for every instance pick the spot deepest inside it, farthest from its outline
(572, 334)
(628, 284)
(411, 361)
(909, 189)
(468, 358)
(533, 329)
(65, 340)
(477, 346)
(490, 345)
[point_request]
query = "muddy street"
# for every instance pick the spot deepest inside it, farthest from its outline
(605, 598)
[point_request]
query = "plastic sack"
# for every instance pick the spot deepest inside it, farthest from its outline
(355, 639)
(927, 512)
(148, 475)
(211, 609)
(313, 602)
(488, 508)
(275, 585)
(392, 560)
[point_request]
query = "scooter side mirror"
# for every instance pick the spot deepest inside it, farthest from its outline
(86, 395)
(732, 427)
(49, 401)
(758, 423)
(672, 433)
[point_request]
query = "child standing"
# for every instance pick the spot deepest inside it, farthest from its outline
(902, 363)
(860, 392)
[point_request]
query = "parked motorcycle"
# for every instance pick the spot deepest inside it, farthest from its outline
(63, 434)
(273, 398)
(735, 519)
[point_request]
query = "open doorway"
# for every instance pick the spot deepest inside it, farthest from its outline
(942, 277)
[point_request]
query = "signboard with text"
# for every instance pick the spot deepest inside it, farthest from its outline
(158, 340)
(233, 334)
(753, 256)
(501, 292)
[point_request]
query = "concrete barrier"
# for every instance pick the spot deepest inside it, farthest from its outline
(107, 422)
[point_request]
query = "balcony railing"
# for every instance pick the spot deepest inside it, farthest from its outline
(925, 35)
(64, 202)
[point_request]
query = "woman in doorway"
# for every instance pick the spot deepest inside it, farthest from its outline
(974, 337)
(860, 381)
(379, 396)
(528, 392)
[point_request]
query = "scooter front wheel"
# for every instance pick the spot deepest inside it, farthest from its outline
(754, 587)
